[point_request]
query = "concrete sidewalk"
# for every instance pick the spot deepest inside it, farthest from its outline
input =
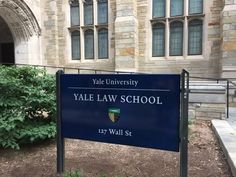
(225, 130)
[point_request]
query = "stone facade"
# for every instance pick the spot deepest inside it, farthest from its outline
(40, 30)
(228, 35)
(126, 35)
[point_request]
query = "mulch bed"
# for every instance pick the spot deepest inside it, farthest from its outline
(99, 159)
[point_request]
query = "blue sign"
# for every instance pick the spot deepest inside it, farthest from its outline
(137, 110)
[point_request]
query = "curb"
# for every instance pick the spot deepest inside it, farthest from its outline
(227, 138)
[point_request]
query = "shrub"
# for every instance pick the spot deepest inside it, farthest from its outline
(72, 174)
(27, 106)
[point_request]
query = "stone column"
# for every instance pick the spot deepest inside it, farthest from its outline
(126, 35)
(228, 24)
(50, 33)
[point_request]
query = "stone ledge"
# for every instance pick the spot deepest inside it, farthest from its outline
(206, 98)
(227, 138)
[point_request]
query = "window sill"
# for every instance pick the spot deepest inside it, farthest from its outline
(89, 60)
(158, 58)
(189, 57)
(194, 57)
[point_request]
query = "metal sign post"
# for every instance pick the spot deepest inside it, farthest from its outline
(184, 124)
(60, 139)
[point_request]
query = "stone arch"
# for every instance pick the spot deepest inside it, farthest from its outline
(20, 19)
(24, 28)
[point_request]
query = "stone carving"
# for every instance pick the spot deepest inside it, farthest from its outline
(24, 22)
(73, 1)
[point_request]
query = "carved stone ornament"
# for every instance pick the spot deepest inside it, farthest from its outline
(19, 17)
(73, 1)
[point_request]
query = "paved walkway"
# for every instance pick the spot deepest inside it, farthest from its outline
(232, 118)
(226, 132)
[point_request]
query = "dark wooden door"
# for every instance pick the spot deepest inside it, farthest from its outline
(7, 53)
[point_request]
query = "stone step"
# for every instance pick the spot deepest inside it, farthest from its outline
(227, 138)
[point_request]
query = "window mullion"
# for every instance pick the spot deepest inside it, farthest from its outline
(95, 43)
(186, 7)
(95, 12)
(167, 36)
(82, 44)
(167, 8)
(185, 38)
(81, 6)
(95, 17)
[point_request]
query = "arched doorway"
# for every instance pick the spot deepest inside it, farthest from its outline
(7, 52)
(22, 31)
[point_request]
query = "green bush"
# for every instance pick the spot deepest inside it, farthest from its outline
(72, 174)
(27, 106)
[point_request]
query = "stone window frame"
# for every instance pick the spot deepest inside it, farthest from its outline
(95, 27)
(185, 18)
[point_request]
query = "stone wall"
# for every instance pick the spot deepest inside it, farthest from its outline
(130, 39)
(130, 46)
(204, 65)
(228, 24)
(207, 111)
(207, 100)
(49, 32)
(130, 42)
(126, 35)
(56, 38)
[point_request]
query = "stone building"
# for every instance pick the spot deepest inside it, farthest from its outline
(161, 36)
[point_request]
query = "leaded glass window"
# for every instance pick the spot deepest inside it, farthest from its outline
(158, 8)
(75, 45)
(74, 8)
(89, 24)
(168, 28)
(88, 12)
(102, 12)
(89, 44)
(176, 7)
(195, 37)
(158, 40)
(195, 6)
(176, 38)
(103, 43)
